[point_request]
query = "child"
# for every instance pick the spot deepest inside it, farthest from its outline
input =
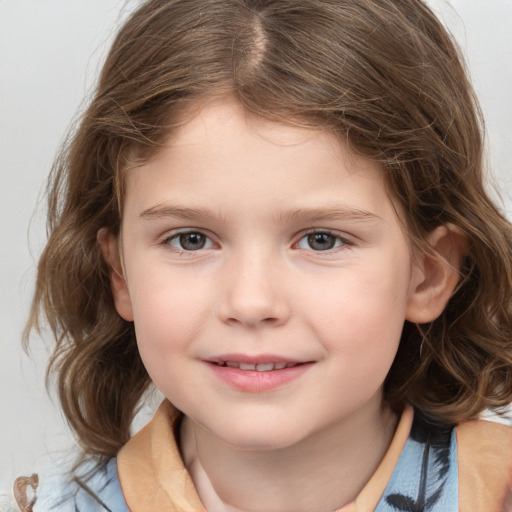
(273, 210)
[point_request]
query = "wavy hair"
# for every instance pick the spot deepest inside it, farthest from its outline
(386, 77)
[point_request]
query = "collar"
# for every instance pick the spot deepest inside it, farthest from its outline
(151, 470)
(153, 476)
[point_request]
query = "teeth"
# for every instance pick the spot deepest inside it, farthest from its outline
(247, 366)
(265, 367)
(261, 367)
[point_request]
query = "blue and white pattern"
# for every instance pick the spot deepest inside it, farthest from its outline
(101, 493)
(425, 478)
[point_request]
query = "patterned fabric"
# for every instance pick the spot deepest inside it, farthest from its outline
(101, 493)
(420, 473)
(426, 476)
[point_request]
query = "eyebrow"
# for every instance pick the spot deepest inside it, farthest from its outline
(328, 213)
(162, 211)
(324, 213)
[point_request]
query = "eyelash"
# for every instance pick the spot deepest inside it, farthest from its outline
(168, 241)
(340, 243)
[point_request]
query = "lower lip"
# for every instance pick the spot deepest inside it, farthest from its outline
(253, 381)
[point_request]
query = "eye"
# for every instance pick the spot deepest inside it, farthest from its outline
(189, 241)
(321, 241)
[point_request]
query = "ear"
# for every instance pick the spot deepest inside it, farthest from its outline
(436, 274)
(110, 249)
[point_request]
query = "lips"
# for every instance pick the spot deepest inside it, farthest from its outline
(257, 374)
(259, 367)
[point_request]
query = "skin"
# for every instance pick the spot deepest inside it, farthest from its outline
(253, 190)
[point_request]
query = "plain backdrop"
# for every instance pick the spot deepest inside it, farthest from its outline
(50, 54)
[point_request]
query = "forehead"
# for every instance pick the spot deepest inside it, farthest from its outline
(202, 120)
(223, 153)
(207, 126)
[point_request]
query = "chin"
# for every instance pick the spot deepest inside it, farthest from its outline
(258, 438)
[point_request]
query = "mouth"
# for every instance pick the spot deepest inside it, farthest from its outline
(257, 373)
(258, 367)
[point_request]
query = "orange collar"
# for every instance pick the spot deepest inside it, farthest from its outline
(153, 477)
(151, 471)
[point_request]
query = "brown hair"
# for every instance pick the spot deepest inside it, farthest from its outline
(386, 77)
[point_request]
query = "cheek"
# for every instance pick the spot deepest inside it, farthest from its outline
(165, 326)
(167, 314)
(360, 298)
(361, 315)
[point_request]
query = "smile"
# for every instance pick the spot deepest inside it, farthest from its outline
(257, 374)
(261, 367)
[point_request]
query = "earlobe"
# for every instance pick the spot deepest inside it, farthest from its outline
(109, 244)
(436, 274)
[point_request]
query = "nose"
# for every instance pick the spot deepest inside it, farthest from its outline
(253, 292)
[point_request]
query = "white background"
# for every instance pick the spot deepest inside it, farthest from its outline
(50, 54)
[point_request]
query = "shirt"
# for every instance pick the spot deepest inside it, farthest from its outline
(429, 467)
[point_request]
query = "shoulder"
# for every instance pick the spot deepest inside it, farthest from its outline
(99, 492)
(484, 452)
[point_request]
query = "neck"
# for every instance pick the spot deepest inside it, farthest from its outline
(323, 472)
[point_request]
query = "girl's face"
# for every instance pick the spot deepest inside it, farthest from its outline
(267, 275)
